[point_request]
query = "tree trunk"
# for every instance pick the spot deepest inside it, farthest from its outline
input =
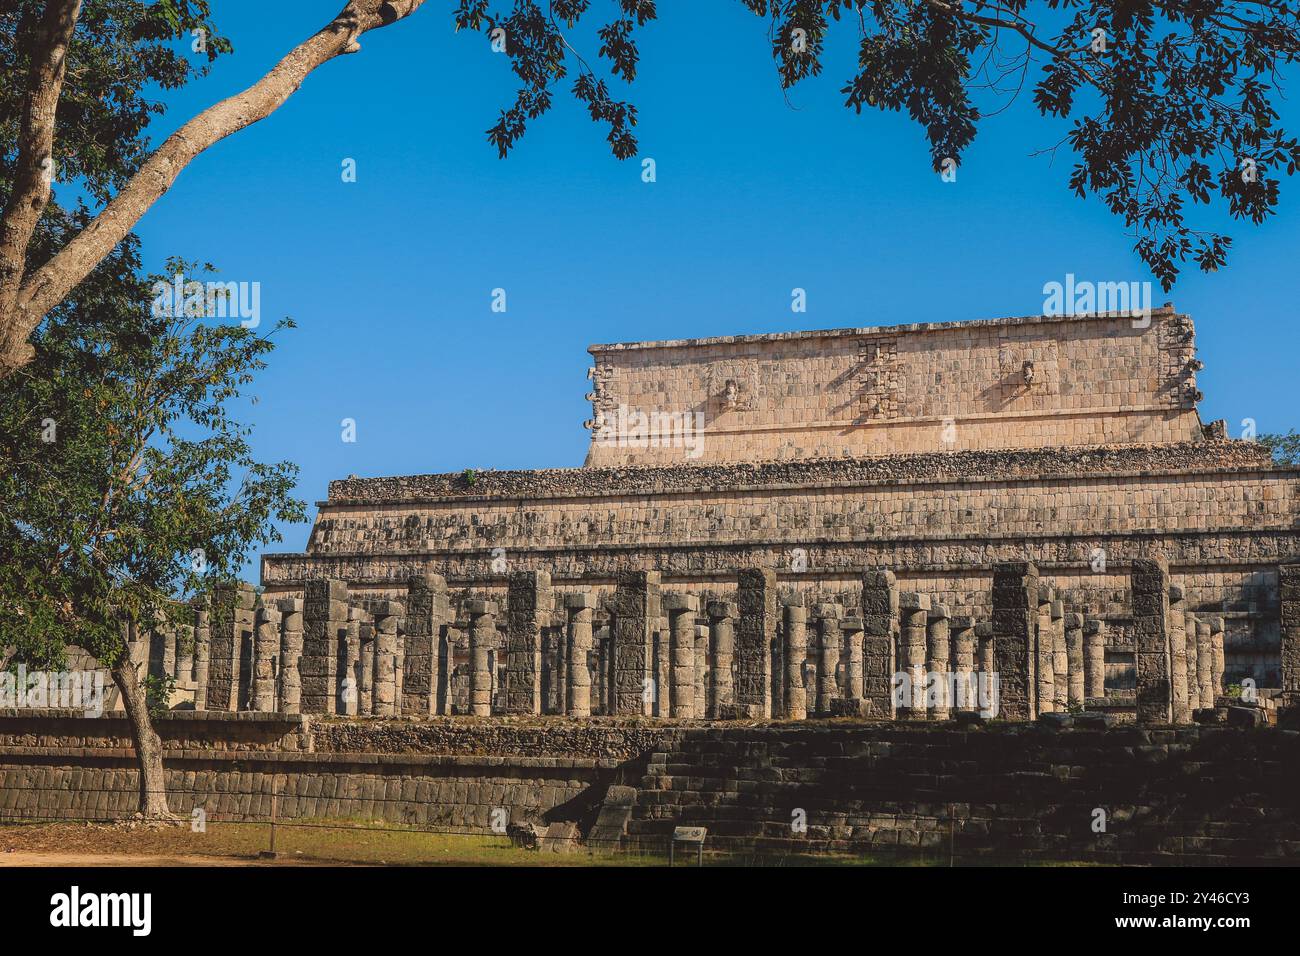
(25, 301)
(148, 748)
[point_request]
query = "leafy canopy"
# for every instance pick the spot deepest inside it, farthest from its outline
(121, 52)
(1171, 103)
(126, 483)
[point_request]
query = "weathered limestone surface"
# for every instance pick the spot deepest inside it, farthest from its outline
(964, 661)
(795, 632)
(387, 615)
(911, 651)
(880, 623)
(1204, 663)
(722, 642)
(829, 640)
(1094, 658)
(1074, 659)
(436, 773)
(1045, 654)
(1015, 614)
(202, 652)
(755, 632)
(289, 692)
(818, 385)
(937, 662)
(265, 651)
(482, 639)
(853, 660)
(325, 617)
(231, 623)
(1182, 709)
(1060, 658)
(682, 609)
(578, 650)
(427, 613)
(1289, 593)
(1150, 578)
(635, 607)
(531, 602)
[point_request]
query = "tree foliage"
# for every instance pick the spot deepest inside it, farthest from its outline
(1170, 104)
(126, 483)
(1284, 448)
(122, 53)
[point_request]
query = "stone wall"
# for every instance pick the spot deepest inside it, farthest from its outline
(998, 790)
(1007, 383)
(1192, 795)
(59, 765)
(1222, 514)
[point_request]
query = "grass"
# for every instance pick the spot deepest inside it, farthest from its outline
(347, 842)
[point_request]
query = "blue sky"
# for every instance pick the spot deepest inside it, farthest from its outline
(390, 278)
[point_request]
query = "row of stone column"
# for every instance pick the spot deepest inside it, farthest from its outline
(672, 654)
(1049, 661)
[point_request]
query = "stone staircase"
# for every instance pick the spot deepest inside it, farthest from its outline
(1002, 792)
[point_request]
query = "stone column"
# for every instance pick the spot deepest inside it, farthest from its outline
(1288, 581)
(325, 618)
(984, 656)
(1178, 656)
(1217, 667)
(555, 664)
(1204, 664)
(604, 668)
(202, 648)
(755, 631)
(266, 648)
(1193, 664)
(366, 668)
(853, 680)
(185, 655)
(1074, 658)
(386, 615)
(1015, 611)
(1150, 583)
(399, 661)
(482, 636)
(880, 631)
(290, 689)
(231, 626)
(1060, 658)
(776, 665)
(795, 654)
(937, 662)
(577, 650)
(661, 668)
(722, 641)
(829, 640)
(348, 702)
(528, 609)
(162, 649)
(1045, 652)
(701, 668)
(962, 628)
(427, 611)
(635, 606)
(914, 609)
(1094, 658)
(682, 609)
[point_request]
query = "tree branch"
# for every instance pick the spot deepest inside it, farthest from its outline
(51, 283)
(34, 169)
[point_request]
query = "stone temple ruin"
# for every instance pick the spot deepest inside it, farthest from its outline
(900, 494)
(919, 526)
